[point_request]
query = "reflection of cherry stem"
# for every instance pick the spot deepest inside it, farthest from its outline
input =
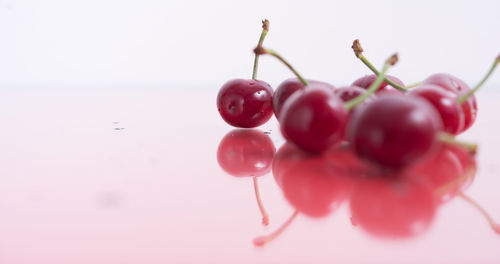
(262, 240)
(265, 216)
(453, 185)
(481, 210)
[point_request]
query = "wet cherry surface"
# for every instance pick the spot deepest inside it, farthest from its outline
(132, 176)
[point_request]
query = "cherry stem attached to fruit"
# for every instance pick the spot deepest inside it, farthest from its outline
(358, 51)
(259, 50)
(450, 139)
(374, 86)
(463, 98)
(265, 29)
(262, 240)
(265, 216)
(413, 85)
(495, 226)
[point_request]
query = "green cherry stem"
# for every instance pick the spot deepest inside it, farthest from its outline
(358, 51)
(450, 139)
(374, 86)
(413, 85)
(259, 50)
(462, 99)
(265, 29)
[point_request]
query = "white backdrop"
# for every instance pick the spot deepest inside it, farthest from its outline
(174, 43)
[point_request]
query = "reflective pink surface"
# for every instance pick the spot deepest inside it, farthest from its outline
(132, 176)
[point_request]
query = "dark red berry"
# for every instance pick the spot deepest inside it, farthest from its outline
(367, 80)
(245, 103)
(314, 119)
(348, 93)
(287, 88)
(454, 84)
(445, 102)
(394, 131)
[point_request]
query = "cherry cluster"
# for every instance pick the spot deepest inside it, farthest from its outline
(386, 122)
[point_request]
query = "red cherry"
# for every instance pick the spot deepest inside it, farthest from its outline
(348, 93)
(392, 208)
(245, 103)
(448, 81)
(394, 131)
(314, 119)
(367, 80)
(288, 87)
(445, 102)
(454, 84)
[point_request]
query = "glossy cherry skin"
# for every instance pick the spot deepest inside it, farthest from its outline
(367, 80)
(454, 84)
(315, 185)
(246, 153)
(245, 103)
(290, 86)
(347, 93)
(445, 102)
(392, 207)
(314, 119)
(394, 131)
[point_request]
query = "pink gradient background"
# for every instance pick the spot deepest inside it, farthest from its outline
(77, 188)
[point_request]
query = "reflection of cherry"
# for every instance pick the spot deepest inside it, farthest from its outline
(314, 185)
(451, 170)
(392, 208)
(247, 153)
(449, 173)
